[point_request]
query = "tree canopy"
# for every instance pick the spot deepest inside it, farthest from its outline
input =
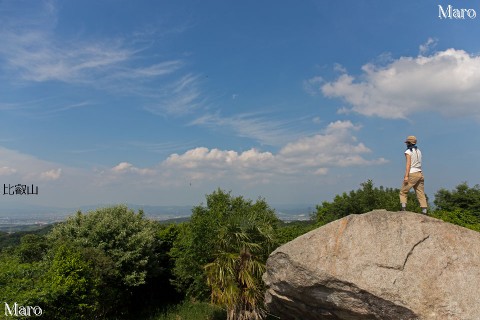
(461, 198)
(105, 263)
(364, 199)
(460, 206)
(126, 237)
(224, 248)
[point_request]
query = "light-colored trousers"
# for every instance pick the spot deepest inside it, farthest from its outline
(415, 181)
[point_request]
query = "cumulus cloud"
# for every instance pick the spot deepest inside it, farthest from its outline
(222, 160)
(336, 147)
(125, 167)
(122, 167)
(447, 82)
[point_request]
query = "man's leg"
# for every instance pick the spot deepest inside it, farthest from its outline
(404, 192)
(419, 188)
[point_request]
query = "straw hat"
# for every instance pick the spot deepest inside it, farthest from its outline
(411, 139)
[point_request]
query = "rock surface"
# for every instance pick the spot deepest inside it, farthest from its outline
(377, 265)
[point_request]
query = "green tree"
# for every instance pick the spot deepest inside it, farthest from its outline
(460, 206)
(99, 265)
(363, 200)
(235, 276)
(120, 242)
(123, 235)
(191, 252)
(288, 231)
(158, 290)
(462, 198)
(32, 248)
(66, 284)
(22, 282)
(196, 242)
(73, 285)
(224, 247)
(459, 217)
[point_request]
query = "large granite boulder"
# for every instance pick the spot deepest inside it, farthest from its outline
(377, 265)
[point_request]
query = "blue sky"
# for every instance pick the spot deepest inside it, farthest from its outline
(162, 102)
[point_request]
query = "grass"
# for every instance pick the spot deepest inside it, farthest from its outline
(191, 311)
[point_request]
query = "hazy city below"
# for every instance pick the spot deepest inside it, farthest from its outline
(13, 218)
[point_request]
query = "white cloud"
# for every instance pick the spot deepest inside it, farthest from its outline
(218, 159)
(312, 85)
(53, 174)
(125, 167)
(427, 46)
(159, 69)
(447, 82)
(257, 126)
(32, 51)
(36, 56)
(122, 166)
(317, 120)
(6, 171)
(336, 147)
(178, 98)
(201, 168)
(26, 167)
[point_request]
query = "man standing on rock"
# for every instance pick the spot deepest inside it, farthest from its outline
(413, 175)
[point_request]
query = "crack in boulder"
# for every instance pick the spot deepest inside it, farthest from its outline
(411, 251)
(374, 266)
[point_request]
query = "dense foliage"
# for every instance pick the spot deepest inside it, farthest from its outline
(222, 253)
(99, 265)
(123, 236)
(114, 263)
(288, 231)
(364, 199)
(461, 198)
(460, 206)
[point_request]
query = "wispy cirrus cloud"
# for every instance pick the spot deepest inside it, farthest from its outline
(42, 108)
(178, 98)
(37, 56)
(447, 82)
(32, 51)
(151, 71)
(162, 147)
(261, 127)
